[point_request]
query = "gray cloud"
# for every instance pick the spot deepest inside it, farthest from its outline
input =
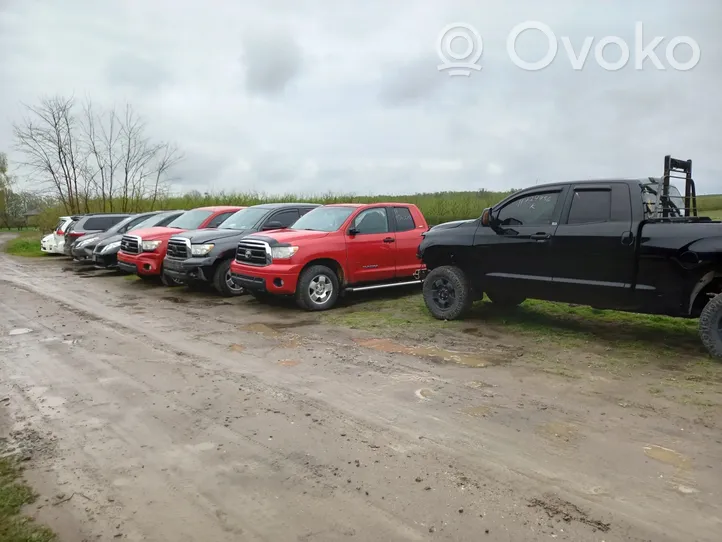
(315, 97)
(271, 61)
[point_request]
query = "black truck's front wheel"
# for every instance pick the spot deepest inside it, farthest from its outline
(710, 326)
(222, 281)
(447, 293)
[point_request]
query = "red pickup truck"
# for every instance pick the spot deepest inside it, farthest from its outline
(333, 248)
(142, 252)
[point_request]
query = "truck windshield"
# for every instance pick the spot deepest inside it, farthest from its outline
(324, 219)
(190, 220)
(244, 219)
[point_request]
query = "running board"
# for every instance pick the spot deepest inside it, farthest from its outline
(378, 286)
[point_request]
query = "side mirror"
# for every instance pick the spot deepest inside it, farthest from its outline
(274, 225)
(486, 218)
(353, 231)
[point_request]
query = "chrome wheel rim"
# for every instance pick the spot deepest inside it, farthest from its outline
(320, 289)
(232, 285)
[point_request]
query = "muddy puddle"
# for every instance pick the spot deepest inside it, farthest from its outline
(667, 456)
(433, 353)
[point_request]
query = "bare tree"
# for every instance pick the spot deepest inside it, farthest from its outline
(104, 160)
(46, 139)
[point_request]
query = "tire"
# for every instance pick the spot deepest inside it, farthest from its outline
(505, 299)
(710, 326)
(447, 293)
(317, 288)
(222, 281)
(168, 281)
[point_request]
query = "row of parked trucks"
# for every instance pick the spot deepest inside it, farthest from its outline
(632, 245)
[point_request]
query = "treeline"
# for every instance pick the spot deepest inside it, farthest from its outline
(87, 157)
(437, 207)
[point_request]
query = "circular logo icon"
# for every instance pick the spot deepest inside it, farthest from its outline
(459, 47)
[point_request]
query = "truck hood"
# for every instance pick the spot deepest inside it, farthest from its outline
(208, 235)
(290, 237)
(157, 232)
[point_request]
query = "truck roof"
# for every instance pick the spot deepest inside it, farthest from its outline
(592, 181)
(381, 203)
(222, 208)
(285, 204)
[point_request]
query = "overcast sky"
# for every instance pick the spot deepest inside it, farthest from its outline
(345, 96)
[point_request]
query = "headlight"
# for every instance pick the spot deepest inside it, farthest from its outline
(150, 246)
(111, 246)
(201, 250)
(283, 253)
(85, 241)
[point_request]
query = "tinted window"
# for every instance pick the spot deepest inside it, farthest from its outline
(531, 210)
(190, 220)
(324, 218)
(305, 210)
(101, 222)
(590, 206)
(286, 218)
(216, 221)
(372, 221)
(245, 219)
(404, 220)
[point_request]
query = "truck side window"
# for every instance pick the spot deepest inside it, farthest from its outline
(404, 220)
(372, 221)
(286, 218)
(590, 206)
(218, 220)
(531, 210)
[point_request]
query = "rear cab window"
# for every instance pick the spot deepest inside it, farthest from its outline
(403, 219)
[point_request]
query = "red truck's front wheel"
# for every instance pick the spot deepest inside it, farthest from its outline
(317, 288)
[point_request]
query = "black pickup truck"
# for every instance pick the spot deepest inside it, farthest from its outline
(205, 255)
(629, 245)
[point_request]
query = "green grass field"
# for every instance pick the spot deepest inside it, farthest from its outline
(14, 494)
(26, 244)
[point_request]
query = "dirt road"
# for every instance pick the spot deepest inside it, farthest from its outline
(160, 415)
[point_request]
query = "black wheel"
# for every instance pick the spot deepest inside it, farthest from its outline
(317, 288)
(167, 280)
(222, 280)
(506, 299)
(710, 326)
(447, 293)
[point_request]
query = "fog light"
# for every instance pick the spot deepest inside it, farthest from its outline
(277, 282)
(146, 266)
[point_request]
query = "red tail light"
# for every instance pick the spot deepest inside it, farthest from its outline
(59, 232)
(74, 234)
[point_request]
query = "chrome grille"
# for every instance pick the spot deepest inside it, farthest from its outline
(178, 248)
(130, 244)
(253, 252)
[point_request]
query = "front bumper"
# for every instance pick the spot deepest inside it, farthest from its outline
(146, 263)
(280, 279)
(84, 253)
(189, 269)
(109, 259)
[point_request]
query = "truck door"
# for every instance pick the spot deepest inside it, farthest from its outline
(371, 247)
(593, 248)
(514, 252)
(408, 238)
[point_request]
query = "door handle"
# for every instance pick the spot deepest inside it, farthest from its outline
(389, 240)
(540, 236)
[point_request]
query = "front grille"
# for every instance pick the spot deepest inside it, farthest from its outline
(177, 248)
(253, 252)
(130, 244)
